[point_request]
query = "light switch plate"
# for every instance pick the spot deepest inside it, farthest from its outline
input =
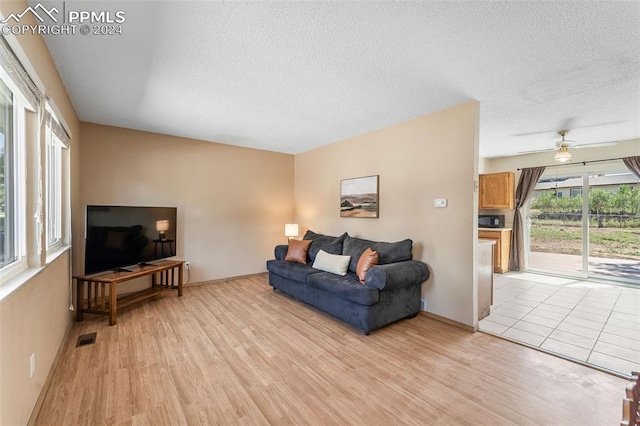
(440, 203)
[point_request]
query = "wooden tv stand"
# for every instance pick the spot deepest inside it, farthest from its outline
(92, 297)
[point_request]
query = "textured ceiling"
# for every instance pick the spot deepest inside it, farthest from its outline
(292, 76)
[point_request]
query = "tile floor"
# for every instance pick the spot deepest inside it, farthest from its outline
(594, 323)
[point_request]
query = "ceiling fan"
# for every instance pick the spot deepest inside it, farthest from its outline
(562, 147)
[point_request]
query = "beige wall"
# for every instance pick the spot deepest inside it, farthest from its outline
(430, 157)
(232, 202)
(35, 318)
(483, 165)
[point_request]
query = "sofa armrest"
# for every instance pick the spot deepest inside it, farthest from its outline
(280, 251)
(397, 275)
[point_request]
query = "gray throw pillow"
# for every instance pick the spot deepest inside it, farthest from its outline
(331, 245)
(387, 252)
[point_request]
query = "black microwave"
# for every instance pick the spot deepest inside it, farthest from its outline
(491, 221)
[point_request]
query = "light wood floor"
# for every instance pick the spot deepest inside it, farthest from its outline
(237, 352)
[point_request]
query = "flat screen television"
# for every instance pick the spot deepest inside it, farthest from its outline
(121, 236)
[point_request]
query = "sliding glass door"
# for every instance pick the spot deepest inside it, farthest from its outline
(614, 227)
(584, 221)
(556, 224)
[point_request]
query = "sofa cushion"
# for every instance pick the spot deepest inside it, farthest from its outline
(387, 252)
(368, 260)
(291, 270)
(332, 245)
(334, 263)
(297, 251)
(280, 252)
(347, 286)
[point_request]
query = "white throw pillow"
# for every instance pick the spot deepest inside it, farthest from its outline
(333, 263)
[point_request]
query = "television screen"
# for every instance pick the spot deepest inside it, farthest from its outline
(120, 236)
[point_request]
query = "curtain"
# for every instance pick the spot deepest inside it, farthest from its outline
(633, 164)
(526, 184)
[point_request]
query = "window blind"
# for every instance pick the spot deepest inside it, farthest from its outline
(56, 128)
(11, 64)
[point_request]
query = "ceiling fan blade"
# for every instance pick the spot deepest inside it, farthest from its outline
(594, 145)
(566, 124)
(569, 125)
(536, 133)
(537, 150)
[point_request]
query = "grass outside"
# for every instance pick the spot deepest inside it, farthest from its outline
(566, 238)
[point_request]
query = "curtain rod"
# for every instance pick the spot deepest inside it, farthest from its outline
(584, 163)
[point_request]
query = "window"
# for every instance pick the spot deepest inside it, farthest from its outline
(7, 210)
(34, 173)
(12, 179)
(55, 145)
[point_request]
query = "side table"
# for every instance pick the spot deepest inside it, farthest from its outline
(162, 243)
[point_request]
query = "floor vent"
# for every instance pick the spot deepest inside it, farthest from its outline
(86, 339)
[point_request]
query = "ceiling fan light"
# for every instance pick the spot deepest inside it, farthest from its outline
(563, 155)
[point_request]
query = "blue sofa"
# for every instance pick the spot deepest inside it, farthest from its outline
(391, 290)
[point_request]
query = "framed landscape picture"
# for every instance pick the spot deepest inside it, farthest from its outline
(359, 197)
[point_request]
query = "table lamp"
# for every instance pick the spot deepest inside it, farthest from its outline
(291, 230)
(162, 226)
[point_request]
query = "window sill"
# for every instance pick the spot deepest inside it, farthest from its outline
(54, 253)
(16, 282)
(23, 277)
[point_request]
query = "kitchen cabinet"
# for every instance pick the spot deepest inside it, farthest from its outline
(502, 247)
(496, 190)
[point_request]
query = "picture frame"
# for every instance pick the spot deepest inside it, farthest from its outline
(359, 197)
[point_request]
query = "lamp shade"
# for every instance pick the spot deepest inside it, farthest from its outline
(291, 230)
(563, 155)
(162, 225)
